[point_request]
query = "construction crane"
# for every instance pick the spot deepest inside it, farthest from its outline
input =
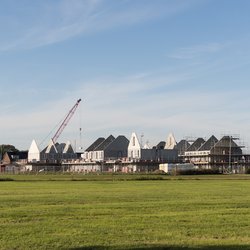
(65, 121)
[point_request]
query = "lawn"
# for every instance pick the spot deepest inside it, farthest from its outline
(174, 213)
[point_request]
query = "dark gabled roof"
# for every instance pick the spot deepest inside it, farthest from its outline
(182, 146)
(60, 147)
(225, 141)
(95, 144)
(105, 143)
(23, 155)
(223, 145)
(160, 145)
(196, 145)
(209, 144)
(121, 142)
(44, 150)
(68, 149)
(20, 155)
(52, 148)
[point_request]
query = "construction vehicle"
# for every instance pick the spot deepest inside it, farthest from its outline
(65, 122)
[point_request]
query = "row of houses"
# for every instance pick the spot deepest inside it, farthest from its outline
(224, 154)
(34, 158)
(53, 153)
(119, 153)
(110, 148)
(121, 148)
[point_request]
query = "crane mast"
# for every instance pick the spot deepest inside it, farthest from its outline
(65, 121)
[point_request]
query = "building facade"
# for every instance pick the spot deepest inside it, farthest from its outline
(224, 155)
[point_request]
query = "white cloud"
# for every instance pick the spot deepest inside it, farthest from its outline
(53, 22)
(109, 105)
(122, 105)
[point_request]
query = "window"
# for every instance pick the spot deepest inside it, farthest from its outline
(133, 141)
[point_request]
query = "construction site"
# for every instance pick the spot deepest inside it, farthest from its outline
(120, 154)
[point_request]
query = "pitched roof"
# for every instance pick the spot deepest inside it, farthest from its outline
(105, 143)
(95, 144)
(182, 146)
(209, 144)
(34, 148)
(51, 149)
(60, 147)
(196, 145)
(121, 142)
(171, 142)
(134, 141)
(225, 142)
(161, 145)
(14, 156)
(68, 149)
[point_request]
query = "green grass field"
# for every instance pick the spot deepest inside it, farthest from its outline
(54, 212)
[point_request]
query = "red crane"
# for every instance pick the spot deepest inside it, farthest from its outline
(65, 121)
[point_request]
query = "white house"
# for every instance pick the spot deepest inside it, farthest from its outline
(107, 149)
(137, 153)
(89, 152)
(134, 148)
(34, 152)
(170, 142)
(52, 153)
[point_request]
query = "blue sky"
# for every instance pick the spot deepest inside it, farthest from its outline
(149, 66)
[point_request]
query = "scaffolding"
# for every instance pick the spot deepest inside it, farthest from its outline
(224, 155)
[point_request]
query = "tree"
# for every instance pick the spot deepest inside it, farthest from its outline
(7, 148)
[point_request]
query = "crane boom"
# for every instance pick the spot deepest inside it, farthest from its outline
(65, 121)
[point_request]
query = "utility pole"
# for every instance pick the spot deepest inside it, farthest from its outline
(230, 154)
